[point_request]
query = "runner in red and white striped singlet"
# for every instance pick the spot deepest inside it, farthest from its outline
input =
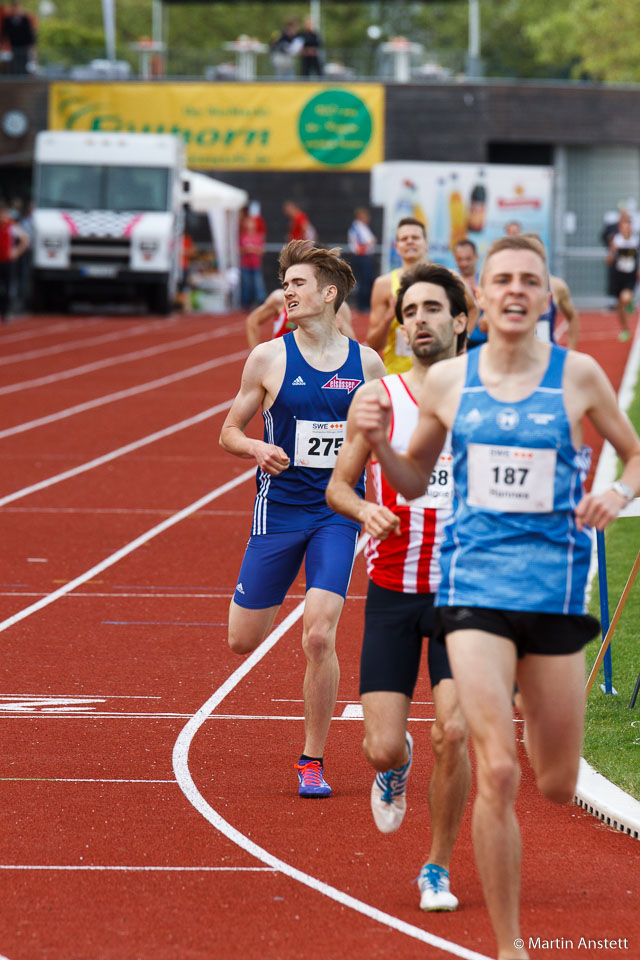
(403, 566)
(408, 561)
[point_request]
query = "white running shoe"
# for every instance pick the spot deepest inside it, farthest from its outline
(388, 795)
(434, 889)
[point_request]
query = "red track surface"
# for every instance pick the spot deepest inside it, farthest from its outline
(104, 855)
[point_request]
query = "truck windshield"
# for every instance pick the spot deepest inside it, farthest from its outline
(71, 186)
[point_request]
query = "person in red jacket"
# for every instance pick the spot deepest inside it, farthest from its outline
(13, 243)
(300, 227)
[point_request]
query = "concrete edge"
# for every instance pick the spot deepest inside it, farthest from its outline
(596, 795)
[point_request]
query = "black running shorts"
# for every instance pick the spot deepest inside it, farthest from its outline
(395, 624)
(538, 633)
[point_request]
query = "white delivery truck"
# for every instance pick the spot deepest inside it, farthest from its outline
(108, 217)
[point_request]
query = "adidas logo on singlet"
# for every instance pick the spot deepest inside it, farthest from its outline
(298, 382)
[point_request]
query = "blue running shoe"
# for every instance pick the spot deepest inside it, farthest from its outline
(312, 783)
(389, 794)
(434, 889)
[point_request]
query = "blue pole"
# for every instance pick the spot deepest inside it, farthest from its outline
(604, 608)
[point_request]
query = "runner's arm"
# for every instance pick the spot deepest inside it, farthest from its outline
(381, 314)
(562, 296)
(269, 457)
(23, 241)
(266, 312)
(598, 510)
(372, 365)
(407, 473)
(378, 521)
(472, 310)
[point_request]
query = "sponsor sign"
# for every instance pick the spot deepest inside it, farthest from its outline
(230, 126)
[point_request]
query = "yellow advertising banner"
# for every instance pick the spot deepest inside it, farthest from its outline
(227, 126)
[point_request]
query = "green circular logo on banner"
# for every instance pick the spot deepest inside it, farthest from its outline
(335, 127)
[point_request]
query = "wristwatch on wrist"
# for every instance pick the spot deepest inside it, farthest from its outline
(623, 489)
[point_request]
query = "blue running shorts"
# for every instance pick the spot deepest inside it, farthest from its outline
(272, 562)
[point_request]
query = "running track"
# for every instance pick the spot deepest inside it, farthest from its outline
(148, 796)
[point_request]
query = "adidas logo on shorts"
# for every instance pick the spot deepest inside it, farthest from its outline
(240, 588)
(298, 382)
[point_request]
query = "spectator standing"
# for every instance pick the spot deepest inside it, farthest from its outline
(310, 52)
(19, 34)
(24, 219)
(284, 49)
(13, 243)
(300, 227)
(362, 244)
(251, 240)
(624, 274)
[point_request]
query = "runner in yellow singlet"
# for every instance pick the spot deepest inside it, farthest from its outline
(384, 333)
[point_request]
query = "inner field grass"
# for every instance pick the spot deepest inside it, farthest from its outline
(612, 730)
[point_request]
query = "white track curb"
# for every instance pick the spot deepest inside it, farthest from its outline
(596, 795)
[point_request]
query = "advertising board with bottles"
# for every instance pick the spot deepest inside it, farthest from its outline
(458, 200)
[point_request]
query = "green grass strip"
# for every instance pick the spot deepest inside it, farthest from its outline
(612, 730)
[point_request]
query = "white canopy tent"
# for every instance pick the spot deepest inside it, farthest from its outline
(203, 193)
(221, 203)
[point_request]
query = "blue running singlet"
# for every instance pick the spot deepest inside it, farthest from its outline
(308, 420)
(512, 543)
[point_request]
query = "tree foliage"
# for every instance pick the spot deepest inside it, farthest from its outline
(597, 39)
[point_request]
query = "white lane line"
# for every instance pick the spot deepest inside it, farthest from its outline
(193, 795)
(113, 361)
(80, 714)
(114, 454)
(78, 344)
(126, 550)
(163, 596)
(48, 330)
(98, 696)
(122, 394)
(47, 866)
(76, 780)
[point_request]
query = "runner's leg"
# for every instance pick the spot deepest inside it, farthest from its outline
(484, 665)
(451, 777)
(320, 690)
(553, 703)
(385, 726)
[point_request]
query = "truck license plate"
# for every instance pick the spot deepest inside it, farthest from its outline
(100, 270)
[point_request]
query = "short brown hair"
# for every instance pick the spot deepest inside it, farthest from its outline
(440, 276)
(411, 222)
(328, 266)
(519, 242)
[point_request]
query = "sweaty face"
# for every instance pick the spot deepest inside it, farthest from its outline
(514, 290)
(411, 243)
(302, 295)
(428, 326)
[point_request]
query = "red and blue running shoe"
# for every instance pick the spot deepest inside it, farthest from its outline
(312, 783)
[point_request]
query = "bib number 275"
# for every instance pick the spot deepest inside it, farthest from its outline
(318, 444)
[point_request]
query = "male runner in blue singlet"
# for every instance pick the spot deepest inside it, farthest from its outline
(514, 408)
(304, 382)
